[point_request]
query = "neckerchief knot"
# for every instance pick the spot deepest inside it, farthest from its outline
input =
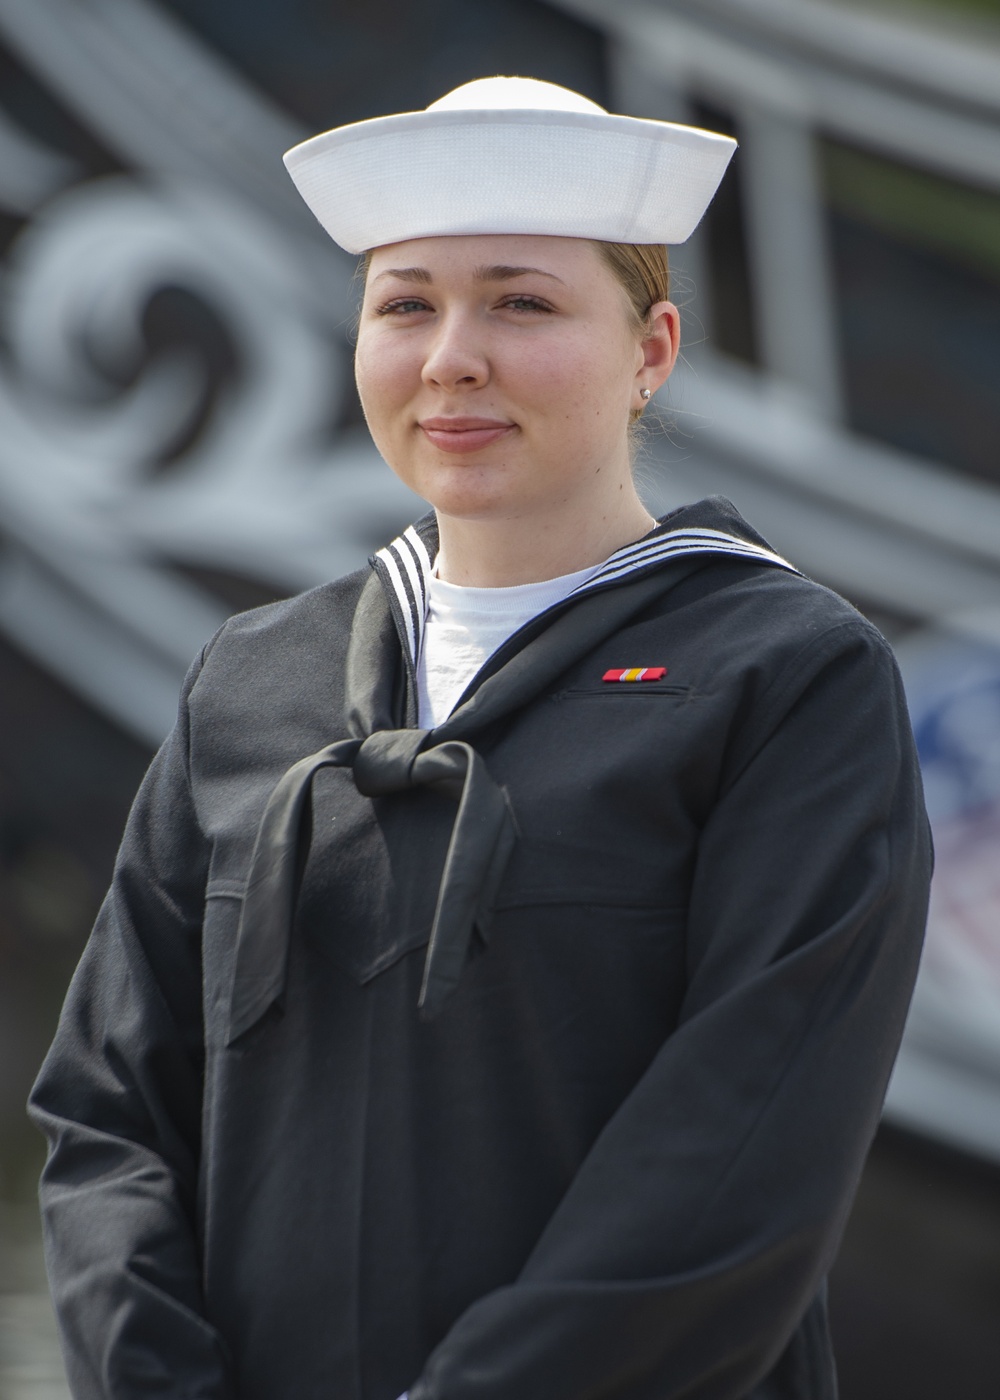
(388, 761)
(384, 762)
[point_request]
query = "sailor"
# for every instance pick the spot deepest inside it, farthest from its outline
(509, 947)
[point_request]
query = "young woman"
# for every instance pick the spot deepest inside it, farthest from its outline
(509, 947)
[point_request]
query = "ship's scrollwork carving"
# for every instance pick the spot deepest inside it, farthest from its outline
(101, 512)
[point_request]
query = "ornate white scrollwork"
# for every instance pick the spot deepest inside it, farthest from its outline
(87, 577)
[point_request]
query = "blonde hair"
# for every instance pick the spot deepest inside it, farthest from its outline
(643, 270)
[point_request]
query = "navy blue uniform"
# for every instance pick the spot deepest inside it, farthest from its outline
(617, 1159)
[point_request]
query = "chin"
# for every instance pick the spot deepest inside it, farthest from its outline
(466, 490)
(460, 505)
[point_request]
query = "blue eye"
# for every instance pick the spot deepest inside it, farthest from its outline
(526, 304)
(401, 307)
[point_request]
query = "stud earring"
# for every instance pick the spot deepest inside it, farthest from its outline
(645, 393)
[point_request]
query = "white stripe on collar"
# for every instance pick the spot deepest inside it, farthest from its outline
(406, 567)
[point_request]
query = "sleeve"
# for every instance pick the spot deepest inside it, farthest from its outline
(119, 1098)
(702, 1222)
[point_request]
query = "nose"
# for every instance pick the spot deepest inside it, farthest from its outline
(456, 356)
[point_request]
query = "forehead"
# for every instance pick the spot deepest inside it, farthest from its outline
(465, 255)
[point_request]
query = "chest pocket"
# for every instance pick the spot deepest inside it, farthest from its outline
(625, 690)
(369, 884)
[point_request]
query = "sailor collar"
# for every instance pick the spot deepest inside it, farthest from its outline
(406, 565)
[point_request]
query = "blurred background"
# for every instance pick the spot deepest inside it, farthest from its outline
(180, 438)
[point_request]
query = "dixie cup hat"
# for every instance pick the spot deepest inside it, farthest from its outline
(509, 155)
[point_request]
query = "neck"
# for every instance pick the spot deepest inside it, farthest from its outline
(499, 552)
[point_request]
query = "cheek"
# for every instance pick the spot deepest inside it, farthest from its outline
(588, 380)
(563, 373)
(382, 374)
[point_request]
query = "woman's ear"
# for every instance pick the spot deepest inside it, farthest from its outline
(660, 344)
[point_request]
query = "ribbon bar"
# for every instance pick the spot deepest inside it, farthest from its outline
(636, 673)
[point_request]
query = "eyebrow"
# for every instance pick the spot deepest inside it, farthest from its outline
(498, 272)
(406, 274)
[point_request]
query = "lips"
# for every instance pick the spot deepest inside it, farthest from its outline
(464, 434)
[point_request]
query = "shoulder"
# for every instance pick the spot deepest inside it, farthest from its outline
(782, 633)
(800, 635)
(327, 609)
(795, 658)
(788, 612)
(755, 642)
(284, 658)
(279, 632)
(764, 609)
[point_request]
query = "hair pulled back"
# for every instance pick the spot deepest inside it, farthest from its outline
(643, 269)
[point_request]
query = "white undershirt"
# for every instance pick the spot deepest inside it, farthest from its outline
(465, 626)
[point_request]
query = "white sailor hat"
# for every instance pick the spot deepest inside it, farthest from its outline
(509, 155)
